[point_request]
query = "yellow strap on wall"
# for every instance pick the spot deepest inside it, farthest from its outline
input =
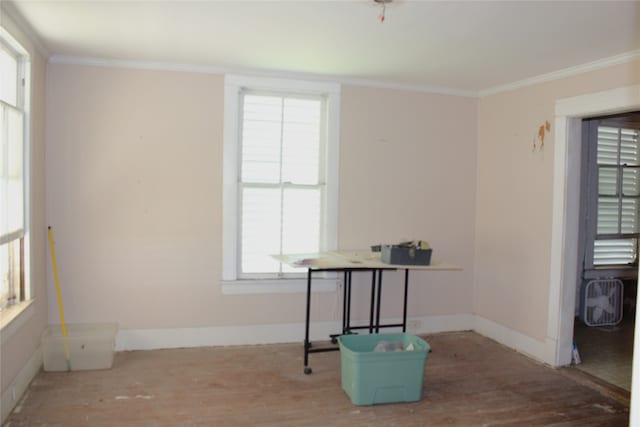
(63, 326)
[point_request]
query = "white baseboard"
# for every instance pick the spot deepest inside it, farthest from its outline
(436, 324)
(543, 351)
(148, 339)
(13, 393)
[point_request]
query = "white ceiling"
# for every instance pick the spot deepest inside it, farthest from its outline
(459, 45)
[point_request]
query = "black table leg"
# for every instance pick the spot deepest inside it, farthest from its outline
(344, 304)
(406, 292)
(378, 302)
(373, 301)
(307, 344)
(348, 314)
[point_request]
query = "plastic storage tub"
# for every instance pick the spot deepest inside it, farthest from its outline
(91, 346)
(370, 377)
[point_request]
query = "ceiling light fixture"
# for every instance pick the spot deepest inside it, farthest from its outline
(382, 3)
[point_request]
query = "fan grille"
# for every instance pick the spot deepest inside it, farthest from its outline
(602, 302)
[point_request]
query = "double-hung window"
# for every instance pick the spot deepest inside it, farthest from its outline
(13, 201)
(280, 174)
(613, 196)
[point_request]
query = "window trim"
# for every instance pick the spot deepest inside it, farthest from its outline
(23, 103)
(232, 87)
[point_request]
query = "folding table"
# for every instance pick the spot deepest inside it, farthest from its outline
(348, 262)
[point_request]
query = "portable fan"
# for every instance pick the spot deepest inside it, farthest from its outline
(602, 302)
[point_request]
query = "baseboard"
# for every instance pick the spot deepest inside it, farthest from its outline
(148, 339)
(542, 351)
(13, 393)
(436, 324)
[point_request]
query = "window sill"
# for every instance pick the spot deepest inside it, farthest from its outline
(12, 318)
(612, 271)
(277, 286)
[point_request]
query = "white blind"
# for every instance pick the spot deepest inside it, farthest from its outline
(618, 158)
(281, 179)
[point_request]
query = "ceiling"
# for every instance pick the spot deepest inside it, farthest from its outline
(462, 46)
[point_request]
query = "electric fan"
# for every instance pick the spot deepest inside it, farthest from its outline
(602, 302)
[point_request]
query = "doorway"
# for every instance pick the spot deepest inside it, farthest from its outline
(608, 246)
(564, 251)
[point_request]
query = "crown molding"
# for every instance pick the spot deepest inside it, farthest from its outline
(563, 73)
(140, 65)
(193, 68)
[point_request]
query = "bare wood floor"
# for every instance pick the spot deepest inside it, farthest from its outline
(469, 381)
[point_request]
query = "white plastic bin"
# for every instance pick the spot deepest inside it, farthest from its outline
(91, 346)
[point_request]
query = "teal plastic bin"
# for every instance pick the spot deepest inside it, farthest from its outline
(370, 377)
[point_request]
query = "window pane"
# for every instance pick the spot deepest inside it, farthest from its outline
(629, 151)
(11, 171)
(15, 181)
(607, 145)
(4, 174)
(301, 141)
(8, 77)
(630, 182)
(615, 252)
(629, 216)
(261, 139)
(608, 213)
(607, 181)
(301, 220)
(4, 275)
(10, 273)
(260, 232)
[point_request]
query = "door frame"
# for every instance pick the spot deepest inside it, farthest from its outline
(564, 276)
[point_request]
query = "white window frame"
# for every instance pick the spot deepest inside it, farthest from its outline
(7, 316)
(233, 86)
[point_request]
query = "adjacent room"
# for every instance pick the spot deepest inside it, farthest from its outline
(162, 160)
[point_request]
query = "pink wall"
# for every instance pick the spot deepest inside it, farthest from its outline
(135, 188)
(514, 194)
(407, 171)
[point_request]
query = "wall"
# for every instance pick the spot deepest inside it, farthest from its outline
(514, 193)
(408, 165)
(20, 354)
(134, 192)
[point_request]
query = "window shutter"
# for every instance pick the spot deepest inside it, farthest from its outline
(618, 159)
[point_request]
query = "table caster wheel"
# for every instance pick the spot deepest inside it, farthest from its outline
(307, 370)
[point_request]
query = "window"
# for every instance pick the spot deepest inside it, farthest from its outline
(280, 173)
(613, 191)
(13, 201)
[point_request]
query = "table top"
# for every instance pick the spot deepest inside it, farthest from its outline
(363, 259)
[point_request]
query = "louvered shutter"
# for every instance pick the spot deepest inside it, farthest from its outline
(618, 159)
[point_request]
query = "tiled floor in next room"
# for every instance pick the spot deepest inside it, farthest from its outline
(607, 351)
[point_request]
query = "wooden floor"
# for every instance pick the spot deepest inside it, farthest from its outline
(469, 381)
